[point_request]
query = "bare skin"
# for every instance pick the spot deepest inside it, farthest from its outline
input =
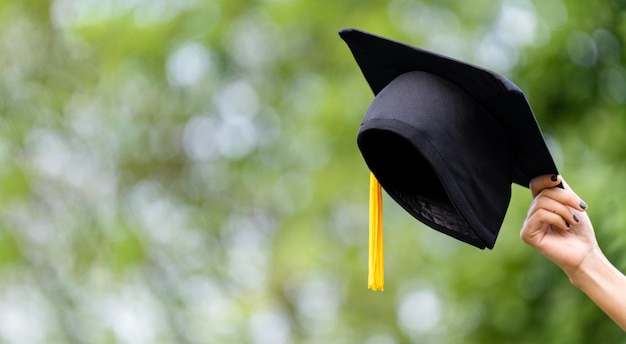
(557, 225)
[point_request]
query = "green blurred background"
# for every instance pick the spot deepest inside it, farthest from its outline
(185, 171)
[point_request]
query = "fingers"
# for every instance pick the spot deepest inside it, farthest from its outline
(558, 213)
(545, 186)
(564, 196)
(540, 218)
(545, 181)
(545, 213)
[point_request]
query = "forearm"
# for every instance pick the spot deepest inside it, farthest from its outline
(604, 284)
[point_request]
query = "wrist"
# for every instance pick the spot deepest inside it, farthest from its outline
(591, 270)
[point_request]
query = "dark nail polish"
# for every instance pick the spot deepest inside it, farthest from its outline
(576, 218)
(583, 205)
(568, 225)
(554, 178)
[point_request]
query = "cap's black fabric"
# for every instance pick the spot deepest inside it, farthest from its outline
(445, 138)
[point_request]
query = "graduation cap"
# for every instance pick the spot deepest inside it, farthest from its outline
(445, 139)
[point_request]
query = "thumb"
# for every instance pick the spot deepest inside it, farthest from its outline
(542, 182)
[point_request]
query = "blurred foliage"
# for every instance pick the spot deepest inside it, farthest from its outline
(186, 172)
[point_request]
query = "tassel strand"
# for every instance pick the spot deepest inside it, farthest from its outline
(376, 277)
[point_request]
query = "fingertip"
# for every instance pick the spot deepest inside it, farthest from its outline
(542, 182)
(582, 205)
(557, 180)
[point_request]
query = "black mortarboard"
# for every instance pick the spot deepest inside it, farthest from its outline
(445, 139)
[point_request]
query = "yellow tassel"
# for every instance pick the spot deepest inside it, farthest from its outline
(376, 277)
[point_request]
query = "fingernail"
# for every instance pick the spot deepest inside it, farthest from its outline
(583, 205)
(567, 224)
(576, 218)
(554, 177)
